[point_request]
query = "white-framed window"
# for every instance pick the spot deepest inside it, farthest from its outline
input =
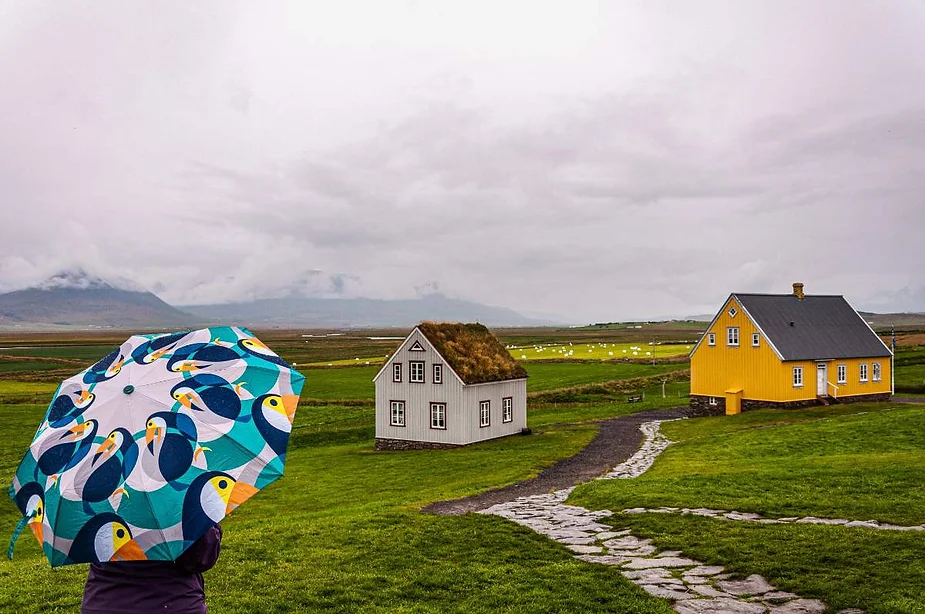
(732, 336)
(798, 377)
(438, 416)
(711, 339)
(484, 413)
(876, 374)
(507, 409)
(863, 372)
(756, 339)
(396, 371)
(416, 371)
(438, 373)
(713, 402)
(842, 374)
(732, 312)
(397, 413)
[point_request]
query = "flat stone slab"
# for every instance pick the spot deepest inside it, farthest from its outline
(800, 606)
(706, 570)
(752, 585)
(708, 591)
(665, 592)
(720, 605)
(661, 562)
(779, 596)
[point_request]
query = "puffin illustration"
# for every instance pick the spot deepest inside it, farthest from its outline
(273, 419)
(69, 405)
(31, 502)
(196, 356)
(148, 352)
(170, 441)
(61, 455)
(108, 469)
(105, 537)
(211, 496)
(256, 347)
(106, 368)
(209, 393)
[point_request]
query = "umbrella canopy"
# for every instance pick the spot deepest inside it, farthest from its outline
(140, 454)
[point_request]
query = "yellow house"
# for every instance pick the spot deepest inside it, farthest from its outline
(787, 350)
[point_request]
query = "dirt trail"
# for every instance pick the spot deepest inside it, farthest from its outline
(618, 439)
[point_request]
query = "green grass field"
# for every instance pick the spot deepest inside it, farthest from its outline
(598, 351)
(341, 532)
(858, 462)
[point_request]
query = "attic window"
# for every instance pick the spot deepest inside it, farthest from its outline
(416, 347)
(732, 312)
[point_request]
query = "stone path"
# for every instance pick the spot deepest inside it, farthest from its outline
(758, 518)
(694, 588)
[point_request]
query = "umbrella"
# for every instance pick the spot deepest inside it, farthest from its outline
(138, 455)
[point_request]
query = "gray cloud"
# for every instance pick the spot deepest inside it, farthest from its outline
(599, 164)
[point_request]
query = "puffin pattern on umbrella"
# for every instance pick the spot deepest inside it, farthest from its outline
(138, 455)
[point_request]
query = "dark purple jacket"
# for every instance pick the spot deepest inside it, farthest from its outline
(142, 587)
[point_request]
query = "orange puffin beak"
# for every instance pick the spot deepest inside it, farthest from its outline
(36, 526)
(84, 396)
(77, 431)
(290, 401)
(106, 448)
(185, 401)
(151, 434)
(130, 551)
(241, 492)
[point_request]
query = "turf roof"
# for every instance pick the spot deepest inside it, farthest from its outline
(473, 352)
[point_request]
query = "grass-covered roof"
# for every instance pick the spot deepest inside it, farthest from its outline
(473, 352)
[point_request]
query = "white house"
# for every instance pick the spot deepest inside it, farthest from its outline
(449, 385)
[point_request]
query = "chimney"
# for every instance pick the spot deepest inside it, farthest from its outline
(798, 290)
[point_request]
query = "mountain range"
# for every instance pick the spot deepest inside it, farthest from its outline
(79, 299)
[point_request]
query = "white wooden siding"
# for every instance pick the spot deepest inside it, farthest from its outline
(462, 402)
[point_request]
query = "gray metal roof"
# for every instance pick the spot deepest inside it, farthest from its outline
(817, 327)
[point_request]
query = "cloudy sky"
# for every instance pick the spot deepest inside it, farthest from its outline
(594, 160)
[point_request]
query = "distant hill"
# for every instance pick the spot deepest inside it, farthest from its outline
(882, 321)
(77, 299)
(357, 312)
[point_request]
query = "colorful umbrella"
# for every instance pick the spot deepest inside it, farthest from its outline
(140, 454)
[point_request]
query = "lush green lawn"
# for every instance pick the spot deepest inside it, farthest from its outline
(858, 462)
(878, 571)
(341, 532)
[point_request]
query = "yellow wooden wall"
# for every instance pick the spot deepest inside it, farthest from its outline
(760, 373)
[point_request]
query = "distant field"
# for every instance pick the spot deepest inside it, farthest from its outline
(598, 351)
(549, 376)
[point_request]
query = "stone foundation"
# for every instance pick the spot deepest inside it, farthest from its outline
(700, 406)
(404, 444)
(383, 443)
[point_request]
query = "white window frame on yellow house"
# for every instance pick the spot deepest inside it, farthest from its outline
(732, 336)
(756, 339)
(711, 339)
(877, 373)
(842, 371)
(862, 372)
(798, 377)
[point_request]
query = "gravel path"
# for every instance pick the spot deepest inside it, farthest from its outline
(618, 439)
